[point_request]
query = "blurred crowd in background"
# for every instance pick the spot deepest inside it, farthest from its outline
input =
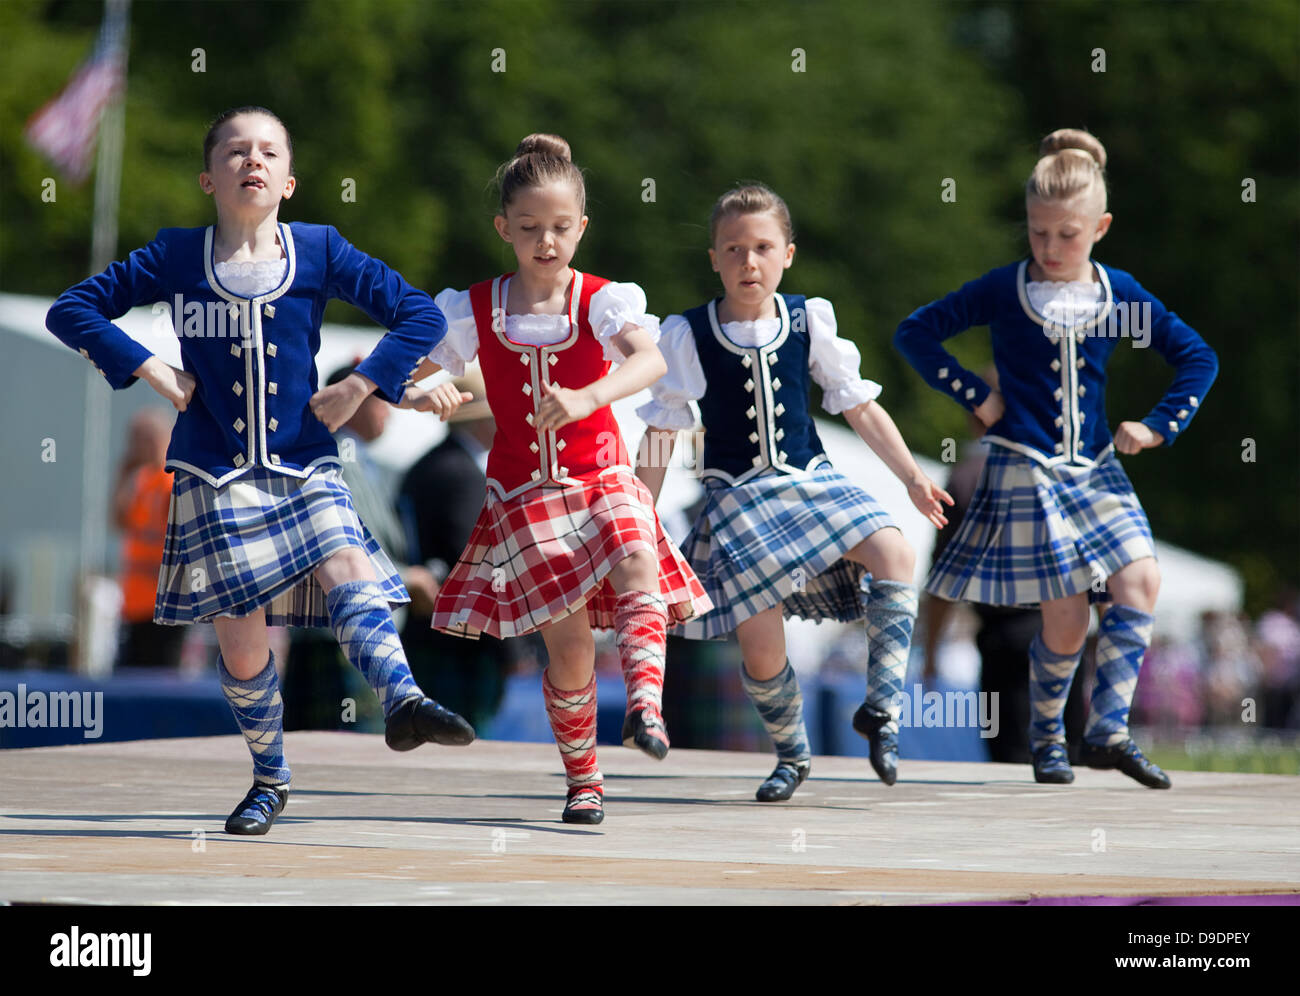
(1237, 670)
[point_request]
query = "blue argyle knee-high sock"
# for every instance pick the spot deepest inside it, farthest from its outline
(364, 626)
(780, 706)
(890, 608)
(1050, 677)
(1125, 634)
(259, 711)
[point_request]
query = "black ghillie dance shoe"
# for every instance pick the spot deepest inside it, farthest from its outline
(258, 810)
(585, 804)
(1128, 759)
(870, 722)
(782, 782)
(1052, 765)
(422, 720)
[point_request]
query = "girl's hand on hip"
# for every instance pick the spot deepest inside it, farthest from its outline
(176, 386)
(336, 404)
(1134, 437)
(992, 409)
(562, 405)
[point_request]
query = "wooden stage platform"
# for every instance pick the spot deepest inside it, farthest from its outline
(141, 823)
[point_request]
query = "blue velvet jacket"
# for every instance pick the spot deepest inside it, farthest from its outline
(1053, 376)
(254, 359)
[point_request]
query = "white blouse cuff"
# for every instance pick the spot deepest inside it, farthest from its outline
(841, 399)
(666, 416)
(460, 343)
(446, 357)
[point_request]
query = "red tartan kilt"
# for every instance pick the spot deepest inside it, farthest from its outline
(535, 558)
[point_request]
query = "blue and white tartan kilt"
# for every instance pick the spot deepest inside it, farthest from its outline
(780, 538)
(1036, 533)
(254, 542)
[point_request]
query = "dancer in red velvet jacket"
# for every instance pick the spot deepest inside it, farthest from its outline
(568, 540)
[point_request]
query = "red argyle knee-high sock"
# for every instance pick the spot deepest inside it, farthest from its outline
(573, 721)
(641, 630)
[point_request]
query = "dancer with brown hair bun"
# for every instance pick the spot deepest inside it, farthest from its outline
(569, 540)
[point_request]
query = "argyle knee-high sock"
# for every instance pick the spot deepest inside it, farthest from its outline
(573, 721)
(1050, 677)
(890, 608)
(780, 706)
(641, 630)
(364, 626)
(259, 711)
(1125, 634)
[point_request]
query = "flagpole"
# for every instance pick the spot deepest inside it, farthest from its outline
(98, 406)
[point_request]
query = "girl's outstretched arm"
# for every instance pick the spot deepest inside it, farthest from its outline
(427, 368)
(336, 404)
(642, 367)
(878, 431)
(442, 399)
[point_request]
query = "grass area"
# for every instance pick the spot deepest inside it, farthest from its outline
(1268, 754)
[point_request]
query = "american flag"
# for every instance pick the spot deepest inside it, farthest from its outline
(64, 130)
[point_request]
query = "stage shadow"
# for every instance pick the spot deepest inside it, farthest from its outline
(169, 834)
(501, 822)
(760, 773)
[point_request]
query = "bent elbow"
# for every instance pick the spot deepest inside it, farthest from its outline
(660, 364)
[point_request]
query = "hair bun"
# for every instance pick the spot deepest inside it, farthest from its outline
(540, 159)
(542, 144)
(1073, 138)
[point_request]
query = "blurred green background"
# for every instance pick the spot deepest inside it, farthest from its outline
(401, 97)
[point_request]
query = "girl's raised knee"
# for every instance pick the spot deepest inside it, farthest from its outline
(898, 558)
(246, 664)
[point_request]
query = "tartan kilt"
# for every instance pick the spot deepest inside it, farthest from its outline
(1035, 533)
(780, 538)
(254, 543)
(541, 555)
